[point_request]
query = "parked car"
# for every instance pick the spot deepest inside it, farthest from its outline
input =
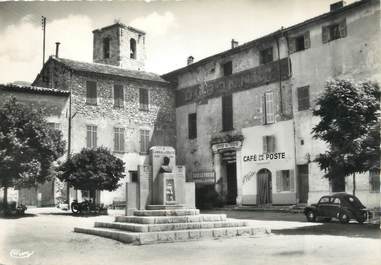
(342, 206)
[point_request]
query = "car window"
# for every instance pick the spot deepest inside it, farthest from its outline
(324, 200)
(335, 201)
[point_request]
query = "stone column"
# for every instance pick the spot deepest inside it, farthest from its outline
(217, 169)
(239, 176)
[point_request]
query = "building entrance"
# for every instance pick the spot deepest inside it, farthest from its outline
(303, 183)
(264, 189)
(231, 175)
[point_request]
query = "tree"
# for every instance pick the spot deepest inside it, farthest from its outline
(92, 169)
(350, 125)
(27, 146)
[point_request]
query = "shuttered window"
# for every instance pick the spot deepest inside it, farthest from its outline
(374, 180)
(227, 113)
(303, 98)
(91, 136)
(54, 125)
(334, 31)
(300, 43)
(192, 126)
(268, 144)
(285, 180)
(91, 92)
(118, 96)
(269, 108)
(266, 56)
(119, 139)
(144, 141)
(143, 99)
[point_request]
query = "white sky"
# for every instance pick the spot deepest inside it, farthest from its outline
(175, 29)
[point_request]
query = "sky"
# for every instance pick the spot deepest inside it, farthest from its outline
(175, 29)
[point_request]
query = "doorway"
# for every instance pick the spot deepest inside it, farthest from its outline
(231, 176)
(264, 187)
(303, 183)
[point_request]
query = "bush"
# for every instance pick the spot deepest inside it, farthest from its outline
(208, 198)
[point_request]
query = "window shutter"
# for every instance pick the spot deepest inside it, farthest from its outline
(292, 45)
(88, 138)
(264, 109)
(271, 144)
(292, 180)
(122, 140)
(278, 181)
(343, 29)
(307, 41)
(325, 34)
(264, 140)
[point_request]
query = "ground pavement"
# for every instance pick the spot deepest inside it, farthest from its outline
(45, 236)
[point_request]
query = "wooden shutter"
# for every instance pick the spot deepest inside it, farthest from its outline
(263, 101)
(121, 140)
(279, 181)
(264, 141)
(292, 180)
(325, 34)
(271, 144)
(292, 45)
(343, 28)
(307, 41)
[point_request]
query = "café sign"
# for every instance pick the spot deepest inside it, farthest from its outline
(264, 157)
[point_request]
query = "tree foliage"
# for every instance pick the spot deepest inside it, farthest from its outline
(92, 169)
(349, 124)
(27, 145)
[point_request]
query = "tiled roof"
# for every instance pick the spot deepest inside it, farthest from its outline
(33, 89)
(108, 70)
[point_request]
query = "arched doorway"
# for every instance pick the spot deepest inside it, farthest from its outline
(264, 188)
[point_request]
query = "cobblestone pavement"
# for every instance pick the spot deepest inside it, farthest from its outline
(45, 236)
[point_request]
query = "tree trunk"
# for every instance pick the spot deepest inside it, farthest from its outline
(354, 184)
(5, 198)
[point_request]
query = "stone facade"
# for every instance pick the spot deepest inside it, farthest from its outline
(313, 57)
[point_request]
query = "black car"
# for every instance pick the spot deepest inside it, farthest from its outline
(342, 206)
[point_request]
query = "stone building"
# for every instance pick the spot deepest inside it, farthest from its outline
(54, 104)
(248, 110)
(113, 102)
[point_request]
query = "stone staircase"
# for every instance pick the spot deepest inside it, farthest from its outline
(165, 224)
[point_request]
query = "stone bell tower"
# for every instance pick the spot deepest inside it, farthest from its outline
(120, 45)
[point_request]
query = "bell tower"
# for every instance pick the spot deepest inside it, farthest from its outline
(119, 45)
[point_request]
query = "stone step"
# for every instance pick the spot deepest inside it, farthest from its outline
(171, 219)
(171, 212)
(165, 207)
(170, 227)
(172, 236)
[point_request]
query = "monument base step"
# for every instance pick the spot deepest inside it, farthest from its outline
(165, 207)
(173, 236)
(167, 212)
(171, 219)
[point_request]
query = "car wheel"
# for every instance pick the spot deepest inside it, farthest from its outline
(362, 218)
(311, 216)
(344, 218)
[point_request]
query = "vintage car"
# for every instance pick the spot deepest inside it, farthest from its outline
(342, 206)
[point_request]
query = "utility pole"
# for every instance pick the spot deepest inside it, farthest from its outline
(43, 21)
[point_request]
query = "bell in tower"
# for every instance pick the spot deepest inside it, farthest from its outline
(120, 45)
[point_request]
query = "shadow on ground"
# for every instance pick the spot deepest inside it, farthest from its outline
(335, 229)
(73, 215)
(17, 216)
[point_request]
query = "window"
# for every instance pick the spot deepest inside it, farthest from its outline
(269, 108)
(133, 175)
(324, 200)
(268, 144)
(119, 139)
(132, 48)
(91, 92)
(143, 99)
(106, 48)
(300, 43)
(91, 136)
(374, 180)
(227, 113)
(338, 184)
(334, 31)
(144, 141)
(192, 125)
(266, 56)
(228, 68)
(285, 180)
(303, 98)
(118, 96)
(54, 125)
(335, 201)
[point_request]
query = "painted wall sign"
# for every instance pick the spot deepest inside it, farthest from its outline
(204, 177)
(263, 157)
(222, 146)
(254, 77)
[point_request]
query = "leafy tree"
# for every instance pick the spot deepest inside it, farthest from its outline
(92, 169)
(27, 146)
(349, 123)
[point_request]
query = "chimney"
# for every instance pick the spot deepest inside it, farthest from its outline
(190, 60)
(336, 6)
(234, 43)
(57, 48)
